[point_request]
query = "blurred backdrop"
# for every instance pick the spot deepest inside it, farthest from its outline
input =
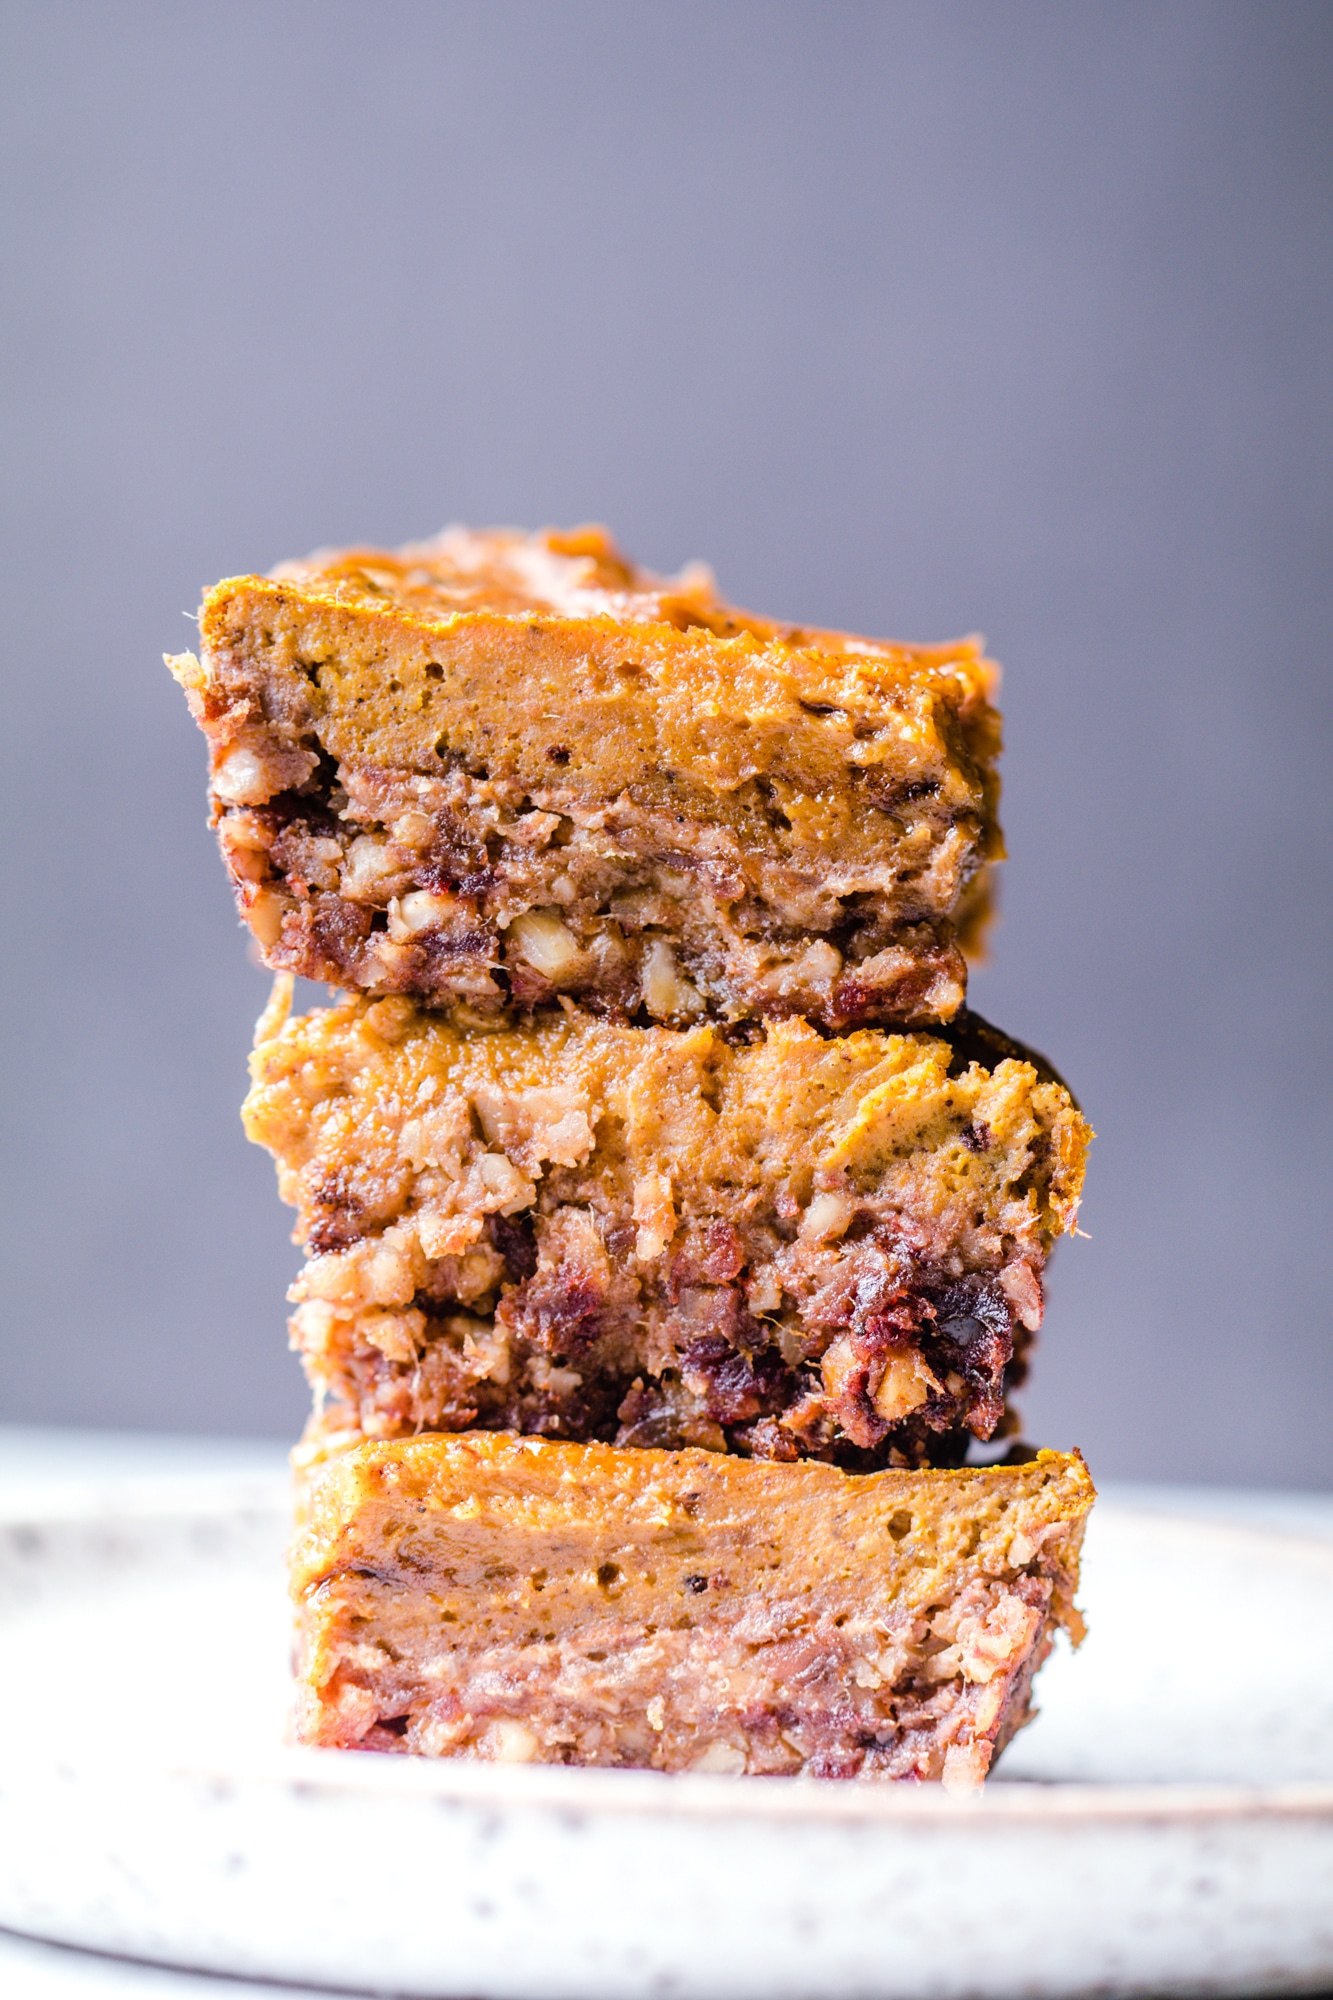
(916, 318)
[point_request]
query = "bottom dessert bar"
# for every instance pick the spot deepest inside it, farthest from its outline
(489, 1596)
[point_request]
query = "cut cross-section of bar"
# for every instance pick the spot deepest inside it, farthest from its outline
(782, 1245)
(505, 768)
(504, 1598)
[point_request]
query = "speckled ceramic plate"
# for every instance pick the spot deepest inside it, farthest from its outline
(1165, 1826)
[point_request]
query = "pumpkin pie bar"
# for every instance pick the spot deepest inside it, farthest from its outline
(502, 769)
(765, 1241)
(534, 1602)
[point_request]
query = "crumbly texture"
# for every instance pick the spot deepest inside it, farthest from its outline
(522, 1601)
(502, 768)
(782, 1245)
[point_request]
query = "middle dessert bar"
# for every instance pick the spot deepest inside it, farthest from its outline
(782, 1245)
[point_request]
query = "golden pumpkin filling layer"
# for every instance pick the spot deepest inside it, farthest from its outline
(767, 1242)
(505, 768)
(522, 1601)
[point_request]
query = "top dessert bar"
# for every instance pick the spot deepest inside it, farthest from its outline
(504, 769)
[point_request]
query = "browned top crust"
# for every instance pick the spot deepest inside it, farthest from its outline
(574, 574)
(478, 702)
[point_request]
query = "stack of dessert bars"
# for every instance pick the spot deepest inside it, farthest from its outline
(673, 1229)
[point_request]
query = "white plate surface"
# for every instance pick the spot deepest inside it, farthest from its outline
(1165, 1826)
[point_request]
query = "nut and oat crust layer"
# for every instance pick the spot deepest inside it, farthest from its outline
(777, 1244)
(509, 1599)
(502, 768)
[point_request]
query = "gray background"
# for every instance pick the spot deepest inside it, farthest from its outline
(913, 317)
